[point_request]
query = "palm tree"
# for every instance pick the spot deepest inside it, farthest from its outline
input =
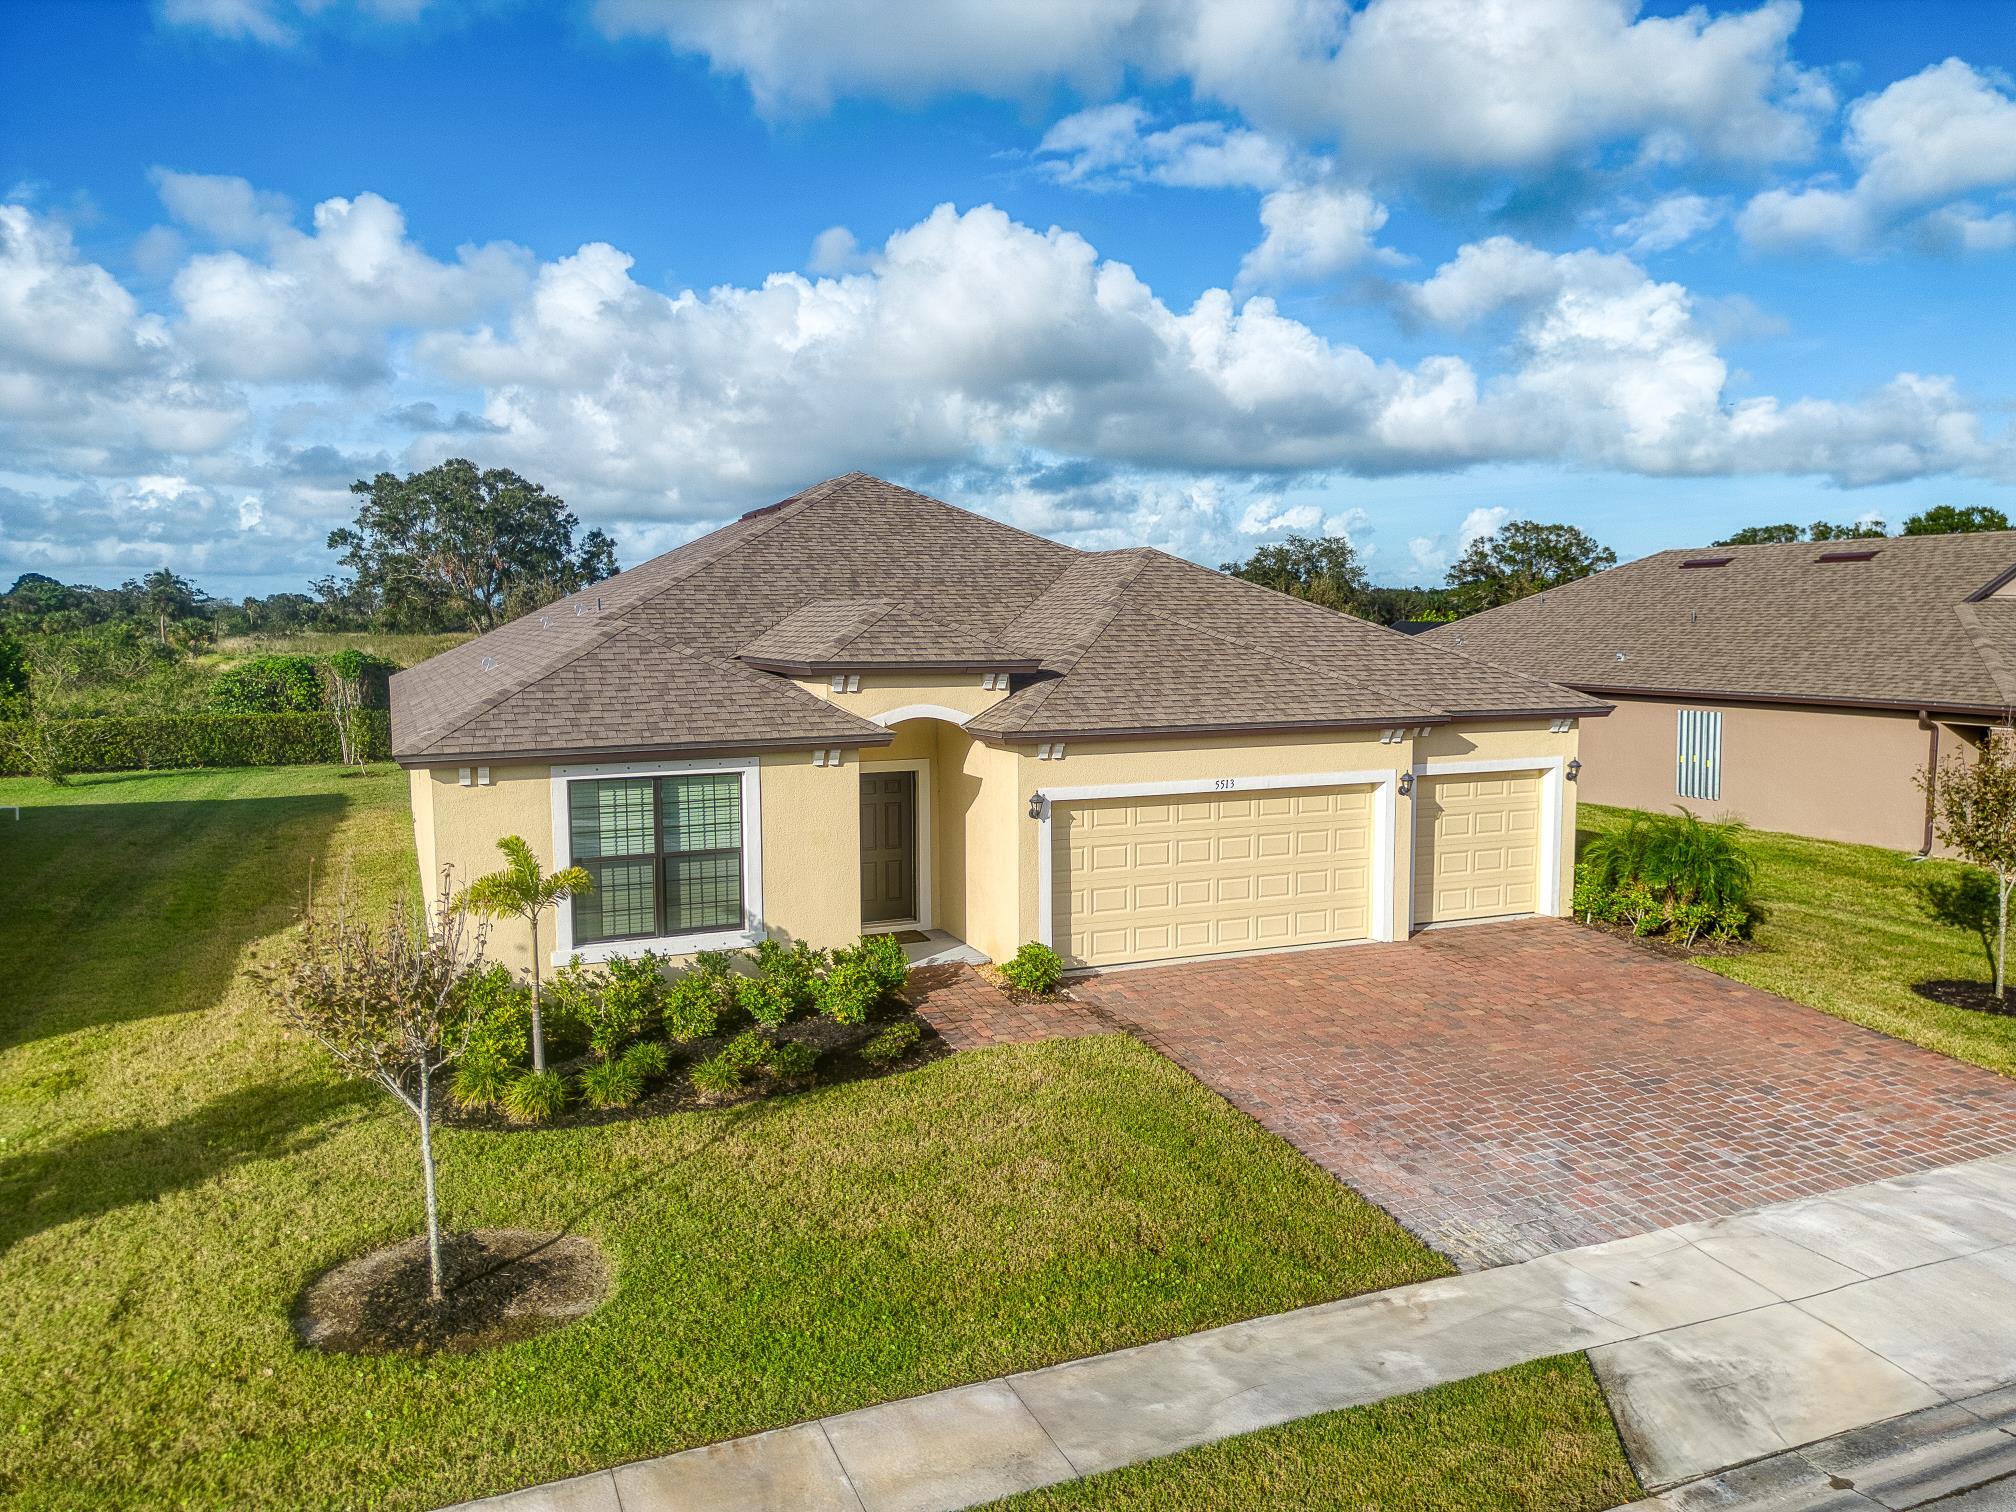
(521, 889)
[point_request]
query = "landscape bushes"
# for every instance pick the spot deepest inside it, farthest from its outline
(615, 1026)
(126, 743)
(1674, 874)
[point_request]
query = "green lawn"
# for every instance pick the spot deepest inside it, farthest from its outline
(1851, 928)
(173, 1170)
(1537, 1435)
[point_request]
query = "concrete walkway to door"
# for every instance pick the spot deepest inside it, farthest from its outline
(1719, 1344)
(1509, 1090)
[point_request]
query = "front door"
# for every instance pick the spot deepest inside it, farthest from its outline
(888, 846)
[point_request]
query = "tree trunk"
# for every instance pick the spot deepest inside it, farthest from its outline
(538, 1029)
(2002, 931)
(433, 1207)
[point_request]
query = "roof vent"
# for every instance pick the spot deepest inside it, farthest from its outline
(1708, 561)
(489, 664)
(1859, 554)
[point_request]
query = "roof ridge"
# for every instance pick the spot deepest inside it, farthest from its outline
(1113, 600)
(1999, 666)
(787, 508)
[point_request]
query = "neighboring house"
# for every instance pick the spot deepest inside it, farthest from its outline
(861, 708)
(1800, 687)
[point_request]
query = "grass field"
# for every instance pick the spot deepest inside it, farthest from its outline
(1537, 1435)
(1850, 929)
(173, 1170)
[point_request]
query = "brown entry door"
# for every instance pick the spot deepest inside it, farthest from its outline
(888, 846)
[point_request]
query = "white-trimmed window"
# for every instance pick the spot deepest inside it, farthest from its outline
(672, 849)
(1698, 754)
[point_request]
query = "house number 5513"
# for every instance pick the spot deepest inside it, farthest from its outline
(1224, 784)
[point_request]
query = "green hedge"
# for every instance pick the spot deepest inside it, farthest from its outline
(138, 743)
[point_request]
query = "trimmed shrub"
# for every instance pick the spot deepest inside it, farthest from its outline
(699, 998)
(890, 1045)
(791, 1062)
(611, 1084)
(1669, 873)
(1034, 968)
(786, 983)
(863, 978)
(269, 685)
(131, 743)
(536, 1097)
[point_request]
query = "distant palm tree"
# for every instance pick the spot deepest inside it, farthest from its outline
(525, 892)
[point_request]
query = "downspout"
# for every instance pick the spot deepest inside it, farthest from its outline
(1931, 779)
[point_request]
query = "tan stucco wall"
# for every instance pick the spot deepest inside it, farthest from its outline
(468, 823)
(1836, 774)
(883, 691)
(811, 849)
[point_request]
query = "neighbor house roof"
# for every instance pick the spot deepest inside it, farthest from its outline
(694, 650)
(1925, 622)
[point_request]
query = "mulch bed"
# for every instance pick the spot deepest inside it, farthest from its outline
(501, 1285)
(839, 1062)
(1979, 997)
(1671, 946)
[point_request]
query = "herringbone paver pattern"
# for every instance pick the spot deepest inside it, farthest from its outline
(1507, 1090)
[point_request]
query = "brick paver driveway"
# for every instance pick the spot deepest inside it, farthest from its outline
(1508, 1090)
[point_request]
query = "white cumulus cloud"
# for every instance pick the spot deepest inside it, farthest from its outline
(1947, 131)
(1312, 232)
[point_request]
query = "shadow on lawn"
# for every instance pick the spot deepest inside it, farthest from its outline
(111, 912)
(1965, 899)
(98, 1173)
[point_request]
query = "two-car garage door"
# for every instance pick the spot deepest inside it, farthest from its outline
(1143, 879)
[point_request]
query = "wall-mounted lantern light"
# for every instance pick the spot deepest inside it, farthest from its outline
(1035, 805)
(1574, 766)
(1406, 783)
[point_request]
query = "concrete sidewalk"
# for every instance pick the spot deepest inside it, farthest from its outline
(1720, 1343)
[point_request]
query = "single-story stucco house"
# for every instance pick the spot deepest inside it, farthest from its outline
(861, 708)
(1800, 687)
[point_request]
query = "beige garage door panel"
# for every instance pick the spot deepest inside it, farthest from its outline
(1476, 846)
(1145, 879)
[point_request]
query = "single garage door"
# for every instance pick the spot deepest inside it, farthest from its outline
(1147, 879)
(1476, 846)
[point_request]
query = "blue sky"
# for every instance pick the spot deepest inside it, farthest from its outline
(1118, 270)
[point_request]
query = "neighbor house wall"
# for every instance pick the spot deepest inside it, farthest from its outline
(1835, 774)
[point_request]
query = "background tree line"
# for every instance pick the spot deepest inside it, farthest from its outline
(429, 557)
(1521, 558)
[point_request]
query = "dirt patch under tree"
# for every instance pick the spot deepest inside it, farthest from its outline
(501, 1285)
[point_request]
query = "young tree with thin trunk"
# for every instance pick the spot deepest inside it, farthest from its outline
(1974, 804)
(388, 1005)
(523, 891)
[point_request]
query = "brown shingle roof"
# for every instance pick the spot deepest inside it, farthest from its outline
(858, 572)
(1907, 627)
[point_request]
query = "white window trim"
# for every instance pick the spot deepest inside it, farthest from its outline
(748, 767)
(919, 711)
(1553, 793)
(922, 767)
(1383, 782)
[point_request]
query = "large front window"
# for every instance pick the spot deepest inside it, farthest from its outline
(665, 853)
